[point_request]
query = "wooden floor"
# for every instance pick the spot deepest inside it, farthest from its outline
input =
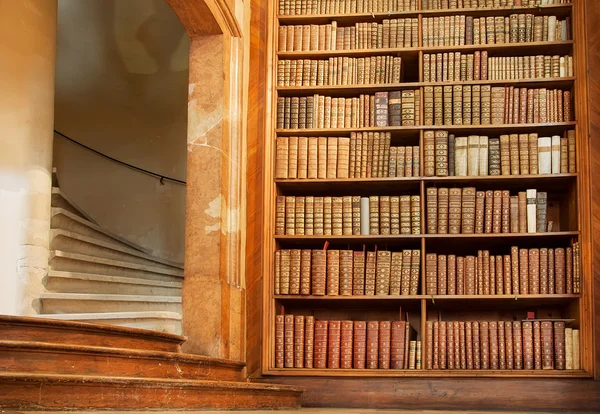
(301, 411)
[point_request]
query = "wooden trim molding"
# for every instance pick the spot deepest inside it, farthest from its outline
(206, 17)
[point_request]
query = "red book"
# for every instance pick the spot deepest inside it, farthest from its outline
(346, 348)
(476, 346)
(559, 345)
(494, 351)
(360, 344)
(320, 358)
(469, 344)
(372, 360)
(547, 345)
(537, 345)
(397, 344)
(443, 345)
(333, 345)
(385, 333)
(528, 353)
(508, 337)
(518, 344)
(484, 336)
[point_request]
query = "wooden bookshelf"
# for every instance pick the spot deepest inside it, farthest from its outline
(562, 187)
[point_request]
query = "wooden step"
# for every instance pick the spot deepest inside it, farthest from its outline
(60, 200)
(159, 321)
(70, 241)
(73, 282)
(63, 219)
(83, 263)
(25, 391)
(23, 328)
(48, 358)
(58, 303)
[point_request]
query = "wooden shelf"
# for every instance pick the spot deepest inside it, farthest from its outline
(554, 9)
(507, 301)
(515, 49)
(387, 184)
(353, 90)
(423, 373)
(405, 131)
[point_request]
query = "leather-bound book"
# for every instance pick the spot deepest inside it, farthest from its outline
(451, 271)
(337, 215)
(290, 215)
(284, 278)
(442, 275)
(560, 280)
(408, 108)
(333, 272)
(416, 166)
(372, 360)
(405, 215)
(429, 350)
(443, 345)
(441, 153)
(299, 216)
(395, 108)
(383, 270)
(488, 281)
(415, 266)
(384, 215)
(280, 215)
(541, 212)
(564, 155)
(360, 344)
(321, 344)
(476, 105)
(533, 153)
(510, 346)
(551, 272)
(522, 208)
(397, 344)
(534, 271)
(468, 210)
(499, 274)
(281, 161)
(461, 156)
(469, 345)
(524, 287)
(319, 272)
(442, 211)
(277, 270)
(374, 215)
(576, 361)
(518, 344)
(415, 214)
(537, 345)
(436, 345)
(395, 215)
(309, 215)
(431, 273)
(428, 105)
(454, 210)
(571, 150)
(528, 348)
(461, 358)
(501, 346)
(279, 342)
(450, 362)
(497, 212)
(476, 345)
(470, 275)
(295, 263)
(396, 273)
(547, 335)
(483, 155)
(370, 273)
(495, 160)
(319, 216)
(288, 334)
(473, 155)
(515, 168)
(432, 210)
(384, 344)
(334, 345)
(524, 154)
(355, 210)
(358, 271)
(479, 211)
(489, 211)
(328, 216)
(292, 157)
(313, 145)
(299, 341)
(514, 214)
(569, 270)
(406, 272)
(381, 109)
(505, 211)
(576, 267)
(346, 274)
(451, 154)
(514, 270)
(347, 335)
(543, 269)
(568, 348)
(479, 273)
(484, 336)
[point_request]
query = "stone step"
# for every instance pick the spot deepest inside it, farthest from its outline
(73, 282)
(72, 242)
(53, 330)
(75, 359)
(26, 391)
(59, 303)
(156, 321)
(75, 262)
(63, 219)
(60, 200)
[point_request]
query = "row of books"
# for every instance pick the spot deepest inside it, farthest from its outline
(484, 105)
(371, 70)
(309, 7)
(402, 108)
(468, 211)
(514, 154)
(348, 215)
(467, 4)
(523, 271)
(454, 67)
(394, 33)
(363, 155)
(529, 345)
(303, 342)
(335, 272)
(456, 30)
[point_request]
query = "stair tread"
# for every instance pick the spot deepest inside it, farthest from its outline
(108, 297)
(162, 382)
(115, 263)
(61, 211)
(54, 321)
(112, 315)
(56, 190)
(114, 246)
(114, 279)
(124, 352)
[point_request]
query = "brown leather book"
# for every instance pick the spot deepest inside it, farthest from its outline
(441, 153)
(397, 344)
(374, 215)
(384, 344)
(470, 276)
(415, 269)
(347, 335)
(514, 214)
(497, 212)
(337, 215)
(277, 270)
(560, 280)
(451, 272)
(543, 270)
(518, 344)
(372, 358)
(309, 215)
(510, 346)
(288, 334)
(551, 272)
(395, 215)
(295, 259)
(279, 342)
(406, 272)
(501, 346)
(328, 216)
(460, 275)
(442, 275)
(415, 214)
(429, 153)
(346, 272)
(334, 345)
(436, 345)
(285, 266)
(280, 209)
(333, 272)
(534, 271)
(524, 287)
(559, 345)
(576, 267)
(489, 211)
(450, 362)
(299, 341)
(442, 210)
(431, 263)
(454, 210)
(360, 344)
(486, 274)
(299, 216)
(515, 168)
(383, 270)
(290, 215)
(381, 109)
(569, 270)
(547, 335)
(319, 272)
(370, 273)
(321, 344)
(396, 273)
(468, 210)
(443, 345)
(476, 345)
(484, 336)
(432, 210)
(537, 345)
(528, 348)
(358, 285)
(429, 350)
(505, 214)
(479, 211)
(355, 215)
(395, 108)
(469, 345)
(384, 215)
(522, 205)
(499, 275)
(541, 212)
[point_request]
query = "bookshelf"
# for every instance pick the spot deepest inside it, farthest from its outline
(423, 307)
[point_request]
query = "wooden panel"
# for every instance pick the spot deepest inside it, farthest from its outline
(206, 17)
(450, 394)
(590, 134)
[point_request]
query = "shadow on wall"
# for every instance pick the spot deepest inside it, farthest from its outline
(121, 88)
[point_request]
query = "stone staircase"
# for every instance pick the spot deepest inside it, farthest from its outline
(97, 276)
(49, 364)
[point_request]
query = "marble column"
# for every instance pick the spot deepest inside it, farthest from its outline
(213, 288)
(27, 51)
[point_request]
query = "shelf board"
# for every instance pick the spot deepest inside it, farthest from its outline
(412, 53)
(554, 234)
(507, 301)
(412, 130)
(355, 185)
(352, 90)
(314, 372)
(560, 10)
